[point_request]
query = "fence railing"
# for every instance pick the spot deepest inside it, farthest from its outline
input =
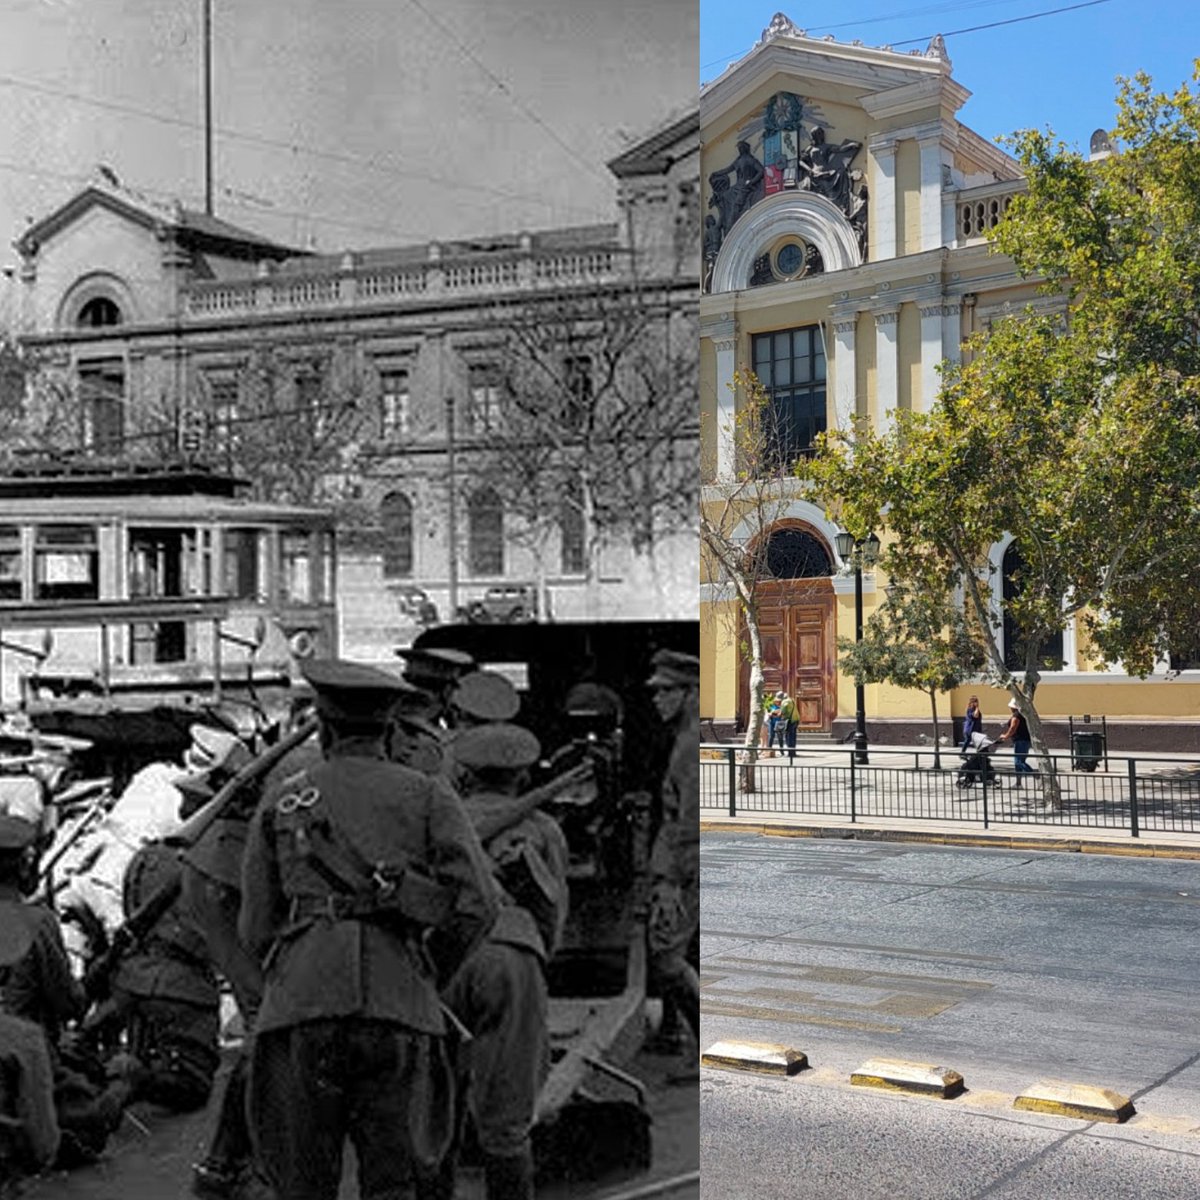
(1138, 794)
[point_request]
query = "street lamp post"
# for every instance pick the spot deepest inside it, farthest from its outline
(858, 551)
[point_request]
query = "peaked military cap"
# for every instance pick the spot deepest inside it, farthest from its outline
(486, 695)
(21, 809)
(593, 700)
(351, 691)
(671, 668)
(435, 665)
(500, 745)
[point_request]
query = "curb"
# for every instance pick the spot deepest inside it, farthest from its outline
(1076, 1101)
(981, 840)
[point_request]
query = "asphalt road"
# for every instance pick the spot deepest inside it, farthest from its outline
(1008, 967)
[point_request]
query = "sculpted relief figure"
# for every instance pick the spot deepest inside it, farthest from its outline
(732, 199)
(825, 168)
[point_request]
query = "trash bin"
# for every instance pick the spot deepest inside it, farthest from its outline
(1087, 749)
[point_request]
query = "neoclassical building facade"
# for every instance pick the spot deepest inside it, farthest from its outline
(392, 368)
(846, 213)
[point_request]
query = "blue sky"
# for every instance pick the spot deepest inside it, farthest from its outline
(341, 124)
(1056, 71)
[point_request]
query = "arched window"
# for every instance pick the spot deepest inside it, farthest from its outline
(396, 517)
(485, 533)
(1051, 657)
(797, 554)
(98, 313)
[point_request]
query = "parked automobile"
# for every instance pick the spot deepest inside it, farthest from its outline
(507, 604)
(415, 604)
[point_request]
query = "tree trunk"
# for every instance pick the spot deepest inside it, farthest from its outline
(1051, 791)
(754, 719)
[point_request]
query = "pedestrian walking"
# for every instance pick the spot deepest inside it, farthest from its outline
(972, 722)
(364, 887)
(1017, 732)
(789, 719)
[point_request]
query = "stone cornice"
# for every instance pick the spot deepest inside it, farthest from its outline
(911, 97)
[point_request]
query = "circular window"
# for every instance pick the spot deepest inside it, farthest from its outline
(790, 259)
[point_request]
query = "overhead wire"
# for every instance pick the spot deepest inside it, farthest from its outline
(295, 148)
(944, 33)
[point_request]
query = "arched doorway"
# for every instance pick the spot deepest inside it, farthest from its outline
(796, 619)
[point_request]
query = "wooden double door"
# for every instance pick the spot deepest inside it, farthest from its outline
(797, 621)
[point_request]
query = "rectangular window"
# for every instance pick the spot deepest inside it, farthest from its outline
(295, 567)
(223, 416)
(10, 562)
(66, 563)
(102, 400)
(790, 364)
(487, 383)
(311, 401)
(580, 390)
(243, 580)
(393, 404)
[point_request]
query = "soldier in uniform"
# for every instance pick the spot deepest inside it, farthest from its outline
(500, 991)
(674, 685)
(211, 898)
(363, 887)
(69, 1112)
(437, 671)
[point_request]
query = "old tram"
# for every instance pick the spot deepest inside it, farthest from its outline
(133, 598)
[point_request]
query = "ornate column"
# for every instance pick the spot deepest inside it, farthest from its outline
(723, 335)
(882, 242)
(845, 394)
(931, 191)
(952, 331)
(887, 392)
(932, 353)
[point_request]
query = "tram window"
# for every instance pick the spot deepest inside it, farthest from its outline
(243, 579)
(10, 562)
(66, 563)
(295, 567)
(328, 568)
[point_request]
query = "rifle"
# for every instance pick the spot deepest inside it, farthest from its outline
(491, 819)
(152, 910)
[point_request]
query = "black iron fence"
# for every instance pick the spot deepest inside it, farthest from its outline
(1139, 794)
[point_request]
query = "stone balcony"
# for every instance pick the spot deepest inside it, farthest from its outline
(978, 210)
(307, 285)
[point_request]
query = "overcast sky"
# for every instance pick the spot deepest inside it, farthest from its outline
(341, 123)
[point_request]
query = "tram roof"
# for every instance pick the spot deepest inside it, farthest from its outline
(182, 491)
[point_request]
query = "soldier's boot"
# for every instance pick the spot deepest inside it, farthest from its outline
(508, 1177)
(223, 1170)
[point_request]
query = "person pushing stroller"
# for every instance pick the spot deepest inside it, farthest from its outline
(977, 762)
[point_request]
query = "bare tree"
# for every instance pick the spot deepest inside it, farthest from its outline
(737, 511)
(595, 429)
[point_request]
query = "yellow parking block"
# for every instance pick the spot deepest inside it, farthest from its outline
(763, 1058)
(1080, 1100)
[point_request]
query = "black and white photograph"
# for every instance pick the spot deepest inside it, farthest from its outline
(349, 671)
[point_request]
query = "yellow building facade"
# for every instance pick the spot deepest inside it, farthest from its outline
(846, 214)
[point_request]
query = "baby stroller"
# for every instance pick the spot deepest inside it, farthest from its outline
(977, 762)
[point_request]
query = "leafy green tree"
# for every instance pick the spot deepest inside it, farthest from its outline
(1073, 426)
(916, 639)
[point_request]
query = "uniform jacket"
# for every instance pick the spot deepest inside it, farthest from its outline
(27, 1092)
(321, 966)
(676, 853)
(529, 860)
(38, 985)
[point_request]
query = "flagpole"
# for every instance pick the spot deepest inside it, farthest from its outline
(208, 129)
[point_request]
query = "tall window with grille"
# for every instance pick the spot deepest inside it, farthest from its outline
(396, 518)
(102, 401)
(485, 533)
(487, 398)
(790, 364)
(310, 398)
(572, 531)
(393, 404)
(223, 418)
